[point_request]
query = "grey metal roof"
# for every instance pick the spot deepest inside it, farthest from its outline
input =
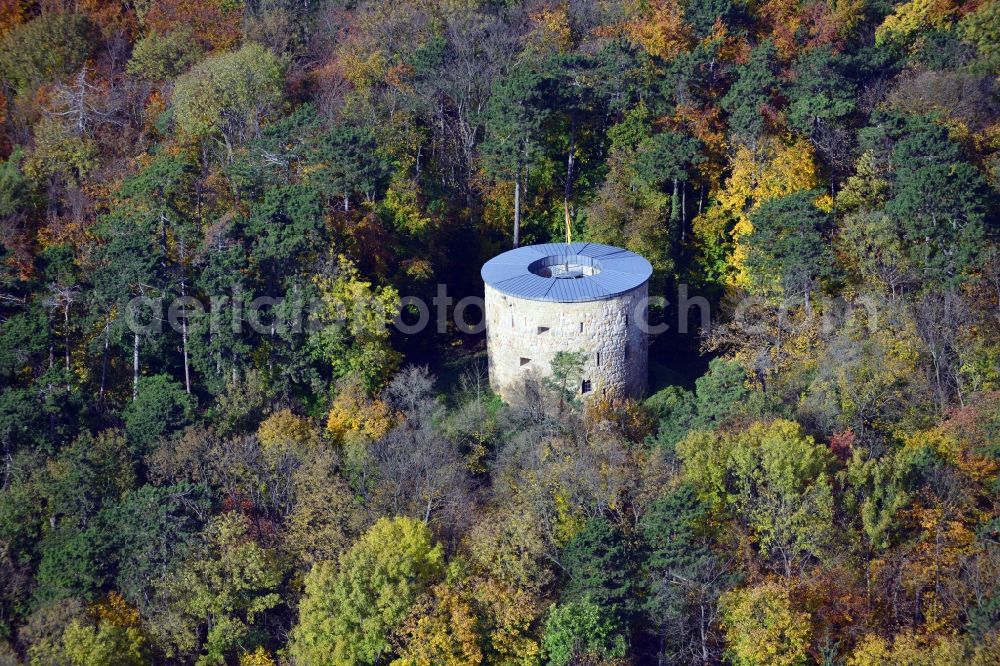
(620, 271)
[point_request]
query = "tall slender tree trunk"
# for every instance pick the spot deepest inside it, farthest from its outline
(675, 203)
(66, 339)
(135, 366)
(184, 345)
(66, 334)
(684, 198)
(570, 158)
(568, 190)
(104, 359)
(517, 206)
(163, 233)
(704, 635)
(184, 326)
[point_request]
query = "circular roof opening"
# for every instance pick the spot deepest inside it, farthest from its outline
(565, 266)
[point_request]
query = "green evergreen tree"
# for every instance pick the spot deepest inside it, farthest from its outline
(600, 566)
(683, 575)
(347, 163)
(719, 392)
(514, 121)
(788, 250)
(753, 90)
(819, 92)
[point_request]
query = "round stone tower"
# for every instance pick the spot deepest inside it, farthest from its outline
(577, 297)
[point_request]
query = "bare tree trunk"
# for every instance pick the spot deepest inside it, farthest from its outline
(517, 206)
(104, 359)
(66, 333)
(135, 366)
(675, 202)
(568, 193)
(704, 636)
(184, 327)
(163, 233)
(184, 339)
(684, 198)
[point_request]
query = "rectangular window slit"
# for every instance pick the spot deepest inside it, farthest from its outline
(585, 388)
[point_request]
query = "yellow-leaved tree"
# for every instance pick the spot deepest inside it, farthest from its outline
(356, 417)
(112, 633)
(775, 168)
(660, 28)
(762, 627)
(285, 431)
(259, 657)
(911, 18)
(442, 630)
(470, 620)
(909, 649)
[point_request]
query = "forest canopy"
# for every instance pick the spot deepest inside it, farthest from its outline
(222, 443)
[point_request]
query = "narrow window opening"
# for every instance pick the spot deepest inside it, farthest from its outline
(598, 359)
(581, 327)
(525, 360)
(585, 388)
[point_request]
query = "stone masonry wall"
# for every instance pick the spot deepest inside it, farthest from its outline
(523, 336)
